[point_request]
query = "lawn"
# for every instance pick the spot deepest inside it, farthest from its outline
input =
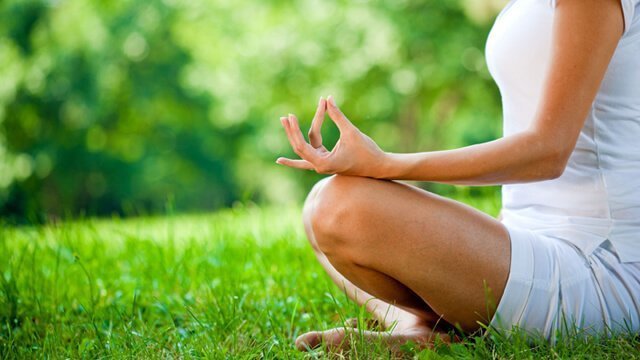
(239, 283)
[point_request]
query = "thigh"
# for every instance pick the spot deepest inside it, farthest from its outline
(453, 256)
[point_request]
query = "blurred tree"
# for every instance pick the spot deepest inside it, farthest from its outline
(121, 106)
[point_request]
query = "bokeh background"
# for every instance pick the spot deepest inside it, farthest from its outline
(135, 107)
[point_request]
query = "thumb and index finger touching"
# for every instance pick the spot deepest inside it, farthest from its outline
(335, 114)
(315, 134)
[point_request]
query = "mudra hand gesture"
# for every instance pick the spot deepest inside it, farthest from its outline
(354, 154)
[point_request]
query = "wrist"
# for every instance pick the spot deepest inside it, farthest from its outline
(386, 166)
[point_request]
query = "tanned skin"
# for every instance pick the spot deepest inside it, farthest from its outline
(415, 259)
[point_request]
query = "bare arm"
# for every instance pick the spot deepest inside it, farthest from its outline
(585, 35)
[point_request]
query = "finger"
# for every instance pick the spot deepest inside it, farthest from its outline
(315, 133)
(337, 116)
(296, 164)
(302, 148)
(285, 124)
(297, 141)
(287, 128)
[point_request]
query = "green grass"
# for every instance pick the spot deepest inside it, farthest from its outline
(240, 283)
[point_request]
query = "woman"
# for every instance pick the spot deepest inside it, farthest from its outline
(566, 254)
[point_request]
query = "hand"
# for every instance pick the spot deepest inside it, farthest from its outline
(355, 153)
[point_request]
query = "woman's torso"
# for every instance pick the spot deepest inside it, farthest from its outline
(598, 195)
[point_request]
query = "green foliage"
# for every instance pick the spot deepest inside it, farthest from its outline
(117, 106)
(238, 284)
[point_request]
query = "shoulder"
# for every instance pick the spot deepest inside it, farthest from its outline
(629, 10)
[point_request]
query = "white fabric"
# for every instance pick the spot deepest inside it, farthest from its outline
(598, 195)
(554, 289)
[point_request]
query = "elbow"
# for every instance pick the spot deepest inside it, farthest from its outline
(550, 155)
(554, 165)
(553, 172)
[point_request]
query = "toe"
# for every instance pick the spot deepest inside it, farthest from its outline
(366, 324)
(331, 339)
(309, 341)
(352, 323)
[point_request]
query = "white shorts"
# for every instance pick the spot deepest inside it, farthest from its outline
(554, 289)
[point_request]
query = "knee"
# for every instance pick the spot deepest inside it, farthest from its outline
(332, 212)
(309, 210)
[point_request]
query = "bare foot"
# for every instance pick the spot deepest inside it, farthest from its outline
(393, 319)
(400, 323)
(369, 324)
(339, 339)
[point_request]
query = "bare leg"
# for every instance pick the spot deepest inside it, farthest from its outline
(390, 316)
(411, 248)
(421, 319)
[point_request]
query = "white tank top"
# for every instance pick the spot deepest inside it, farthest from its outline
(598, 195)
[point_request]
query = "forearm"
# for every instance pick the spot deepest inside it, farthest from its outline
(522, 157)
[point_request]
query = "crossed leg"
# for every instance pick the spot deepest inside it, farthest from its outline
(413, 258)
